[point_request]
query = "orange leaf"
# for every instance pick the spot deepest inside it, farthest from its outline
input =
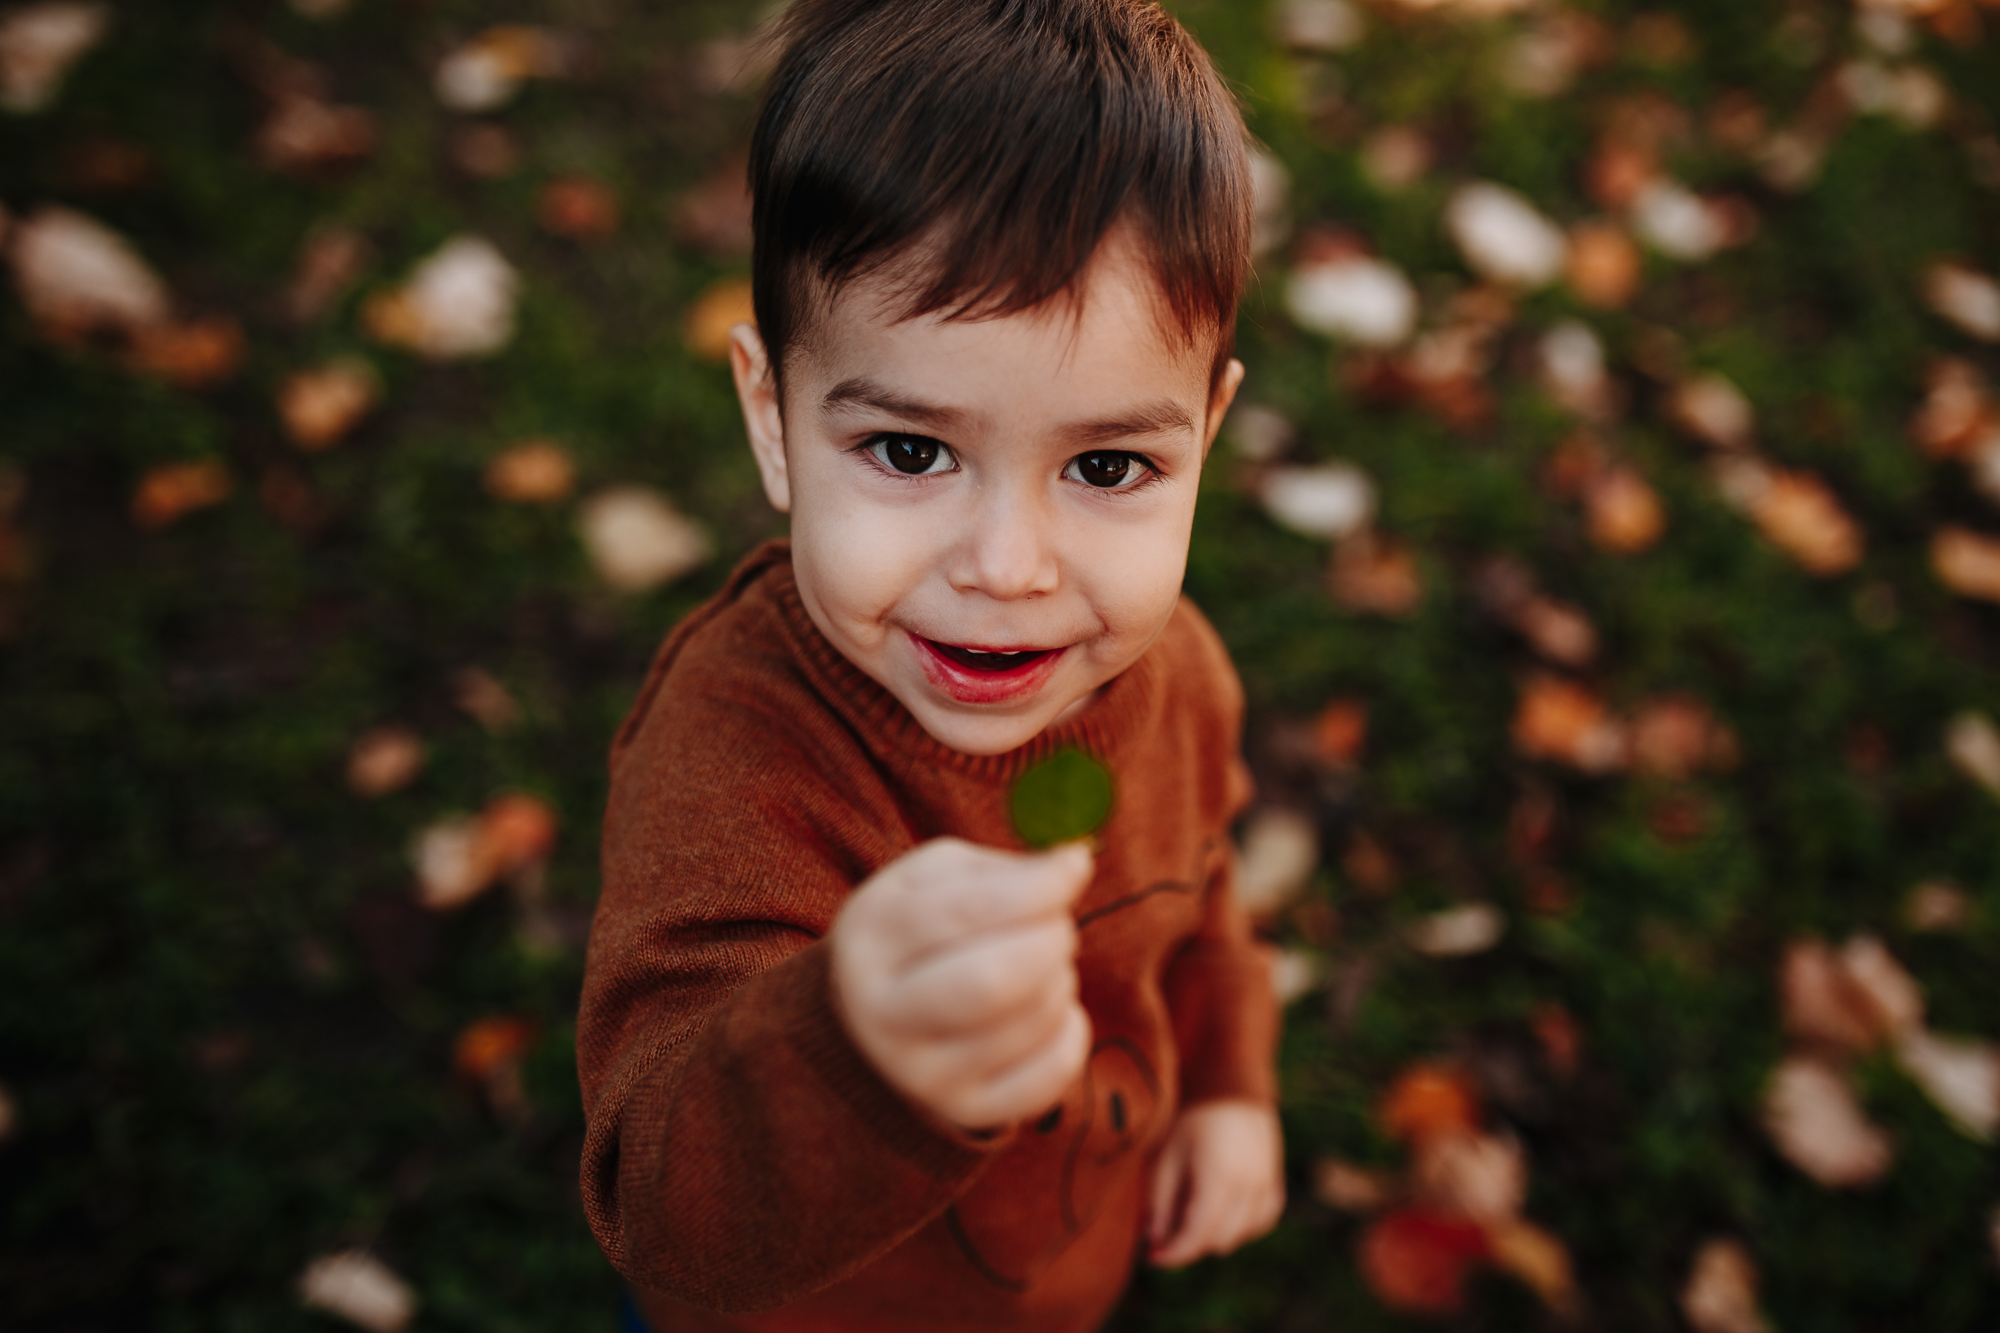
(517, 829)
(1426, 1102)
(1416, 1262)
(170, 490)
(1967, 562)
(489, 1044)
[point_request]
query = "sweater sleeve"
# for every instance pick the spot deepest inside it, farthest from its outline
(740, 1152)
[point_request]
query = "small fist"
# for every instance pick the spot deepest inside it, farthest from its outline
(954, 969)
(1219, 1182)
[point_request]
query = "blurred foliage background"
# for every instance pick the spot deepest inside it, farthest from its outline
(1603, 558)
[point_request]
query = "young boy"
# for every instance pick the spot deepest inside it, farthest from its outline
(854, 1059)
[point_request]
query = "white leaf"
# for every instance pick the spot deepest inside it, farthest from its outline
(39, 43)
(1458, 931)
(1972, 743)
(1280, 852)
(1257, 432)
(1959, 1075)
(1325, 26)
(1677, 222)
(75, 273)
(458, 303)
(1295, 974)
(360, 1289)
(1815, 1121)
(1721, 1291)
(637, 540)
(1361, 299)
(1504, 237)
(451, 862)
(1965, 297)
(1328, 500)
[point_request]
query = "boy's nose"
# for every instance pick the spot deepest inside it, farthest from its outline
(1005, 552)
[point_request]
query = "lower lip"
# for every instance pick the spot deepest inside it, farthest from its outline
(968, 686)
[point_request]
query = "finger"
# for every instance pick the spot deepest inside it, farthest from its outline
(1034, 1083)
(990, 979)
(943, 1066)
(967, 891)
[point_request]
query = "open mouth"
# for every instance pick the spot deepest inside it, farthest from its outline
(988, 659)
(986, 675)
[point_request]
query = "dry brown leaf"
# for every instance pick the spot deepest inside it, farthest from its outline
(10, 1115)
(1817, 1124)
(531, 472)
(1280, 851)
(1368, 863)
(1961, 1077)
(360, 1289)
(1428, 1101)
(1351, 1188)
(1672, 736)
(485, 700)
(38, 45)
(384, 759)
(1818, 1001)
(198, 354)
(1623, 511)
(1396, 157)
(458, 303)
(1937, 904)
(320, 406)
(77, 276)
(637, 540)
(1964, 296)
(171, 490)
(485, 73)
(1374, 574)
(715, 215)
(487, 1045)
(330, 260)
(1538, 1259)
(1967, 562)
(1457, 932)
(1605, 266)
(715, 312)
(1416, 1262)
(516, 830)
(1957, 408)
(1800, 515)
(1557, 631)
(1560, 720)
(1340, 731)
(485, 152)
(1888, 994)
(1481, 1177)
(304, 135)
(1720, 1295)
(578, 208)
(1560, 1038)
(1714, 411)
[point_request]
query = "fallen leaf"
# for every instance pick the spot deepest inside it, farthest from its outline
(1270, 202)
(1604, 265)
(1937, 904)
(1428, 1101)
(302, 135)
(1960, 1076)
(1560, 1038)
(360, 1289)
(485, 152)
(77, 276)
(485, 73)
(1416, 1262)
(1889, 995)
(1538, 1259)
(330, 260)
(487, 1045)
(1965, 297)
(458, 303)
(320, 406)
(578, 208)
(485, 699)
(1672, 736)
(10, 1115)
(1396, 157)
(1560, 720)
(1957, 409)
(637, 540)
(1572, 369)
(171, 490)
(1369, 865)
(1457, 932)
(1357, 298)
(1481, 1177)
(1257, 433)
(1800, 515)
(384, 759)
(38, 45)
(1546, 59)
(198, 354)
(1279, 853)
(1623, 512)
(1351, 1188)
(1816, 1123)
(1967, 562)
(1295, 974)
(1504, 238)
(1326, 27)
(1340, 730)
(1326, 500)
(450, 862)
(1720, 1295)
(516, 830)
(726, 303)
(1972, 743)
(1618, 172)
(1557, 631)
(1818, 1001)
(1679, 223)
(531, 472)
(1374, 574)
(715, 214)
(1714, 411)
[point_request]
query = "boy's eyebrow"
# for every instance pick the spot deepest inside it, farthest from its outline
(1160, 418)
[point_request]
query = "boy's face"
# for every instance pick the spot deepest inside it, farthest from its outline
(990, 518)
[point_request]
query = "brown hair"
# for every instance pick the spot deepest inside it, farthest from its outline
(984, 148)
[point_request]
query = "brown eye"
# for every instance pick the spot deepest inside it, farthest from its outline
(911, 455)
(1103, 470)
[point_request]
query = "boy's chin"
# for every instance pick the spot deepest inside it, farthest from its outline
(973, 730)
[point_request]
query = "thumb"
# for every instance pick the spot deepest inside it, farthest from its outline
(1073, 864)
(1169, 1185)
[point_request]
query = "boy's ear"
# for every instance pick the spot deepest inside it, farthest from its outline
(1219, 401)
(763, 417)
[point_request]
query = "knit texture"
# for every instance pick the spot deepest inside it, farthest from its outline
(745, 1167)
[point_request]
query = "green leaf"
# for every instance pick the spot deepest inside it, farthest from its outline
(1065, 797)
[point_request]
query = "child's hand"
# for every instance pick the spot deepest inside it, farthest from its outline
(1219, 1182)
(954, 972)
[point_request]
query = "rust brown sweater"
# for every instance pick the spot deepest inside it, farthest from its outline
(745, 1167)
